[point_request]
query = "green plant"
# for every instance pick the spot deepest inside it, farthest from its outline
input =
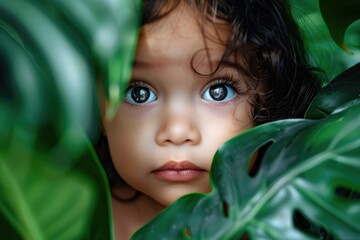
(323, 50)
(52, 53)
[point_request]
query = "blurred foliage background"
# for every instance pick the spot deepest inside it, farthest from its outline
(323, 50)
(52, 53)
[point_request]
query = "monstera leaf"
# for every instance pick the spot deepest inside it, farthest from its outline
(51, 55)
(307, 185)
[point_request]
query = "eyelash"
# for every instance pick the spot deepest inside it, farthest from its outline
(227, 79)
(137, 83)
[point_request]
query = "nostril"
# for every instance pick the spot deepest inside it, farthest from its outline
(177, 141)
(178, 137)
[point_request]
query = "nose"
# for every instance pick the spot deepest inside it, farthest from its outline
(178, 128)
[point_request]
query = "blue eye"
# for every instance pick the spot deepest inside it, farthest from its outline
(219, 93)
(139, 95)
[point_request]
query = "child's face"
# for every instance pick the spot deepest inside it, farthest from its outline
(165, 135)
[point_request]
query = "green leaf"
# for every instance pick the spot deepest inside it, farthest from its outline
(51, 183)
(52, 87)
(338, 15)
(321, 48)
(64, 40)
(343, 90)
(39, 201)
(111, 27)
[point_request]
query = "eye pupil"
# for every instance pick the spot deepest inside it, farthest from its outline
(218, 92)
(140, 94)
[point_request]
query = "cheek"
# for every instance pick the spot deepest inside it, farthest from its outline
(129, 137)
(225, 123)
(220, 125)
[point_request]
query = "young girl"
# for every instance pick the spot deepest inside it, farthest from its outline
(204, 72)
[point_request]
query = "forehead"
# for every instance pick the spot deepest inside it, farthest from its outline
(180, 36)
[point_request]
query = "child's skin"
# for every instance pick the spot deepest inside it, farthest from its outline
(180, 122)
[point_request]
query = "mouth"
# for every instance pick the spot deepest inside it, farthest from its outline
(183, 171)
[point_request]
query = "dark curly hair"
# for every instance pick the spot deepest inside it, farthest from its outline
(267, 42)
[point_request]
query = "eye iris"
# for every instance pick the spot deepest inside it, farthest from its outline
(218, 92)
(140, 94)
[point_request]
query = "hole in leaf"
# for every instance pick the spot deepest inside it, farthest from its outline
(301, 222)
(7, 88)
(347, 193)
(256, 160)
(304, 224)
(245, 236)
(225, 209)
(187, 233)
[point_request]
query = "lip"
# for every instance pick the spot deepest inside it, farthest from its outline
(183, 171)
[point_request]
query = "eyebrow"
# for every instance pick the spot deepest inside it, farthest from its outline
(142, 64)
